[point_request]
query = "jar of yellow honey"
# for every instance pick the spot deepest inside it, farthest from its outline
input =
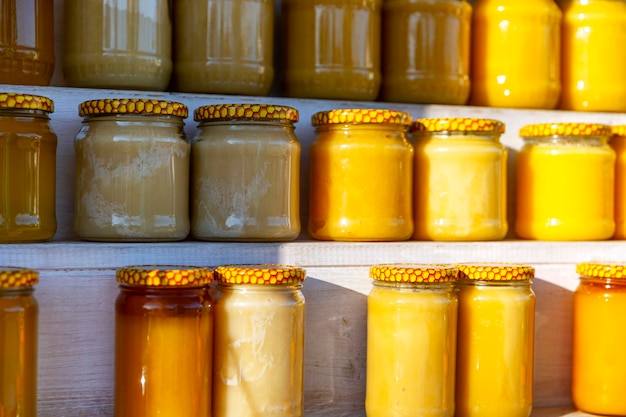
(245, 178)
(361, 176)
(163, 342)
(258, 360)
(117, 44)
(332, 48)
(516, 50)
(598, 361)
(26, 42)
(565, 182)
(132, 171)
(495, 339)
(223, 46)
(460, 179)
(618, 144)
(411, 341)
(28, 163)
(426, 51)
(594, 64)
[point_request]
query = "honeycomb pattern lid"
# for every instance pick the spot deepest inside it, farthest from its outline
(564, 129)
(220, 112)
(132, 106)
(496, 272)
(361, 116)
(614, 270)
(413, 273)
(164, 276)
(458, 124)
(15, 277)
(26, 101)
(259, 274)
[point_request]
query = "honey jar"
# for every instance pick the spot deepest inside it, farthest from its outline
(411, 341)
(495, 340)
(593, 57)
(426, 51)
(18, 336)
(26, 42)
(245, 179)
(598, 362)
(163, 341)
(516, 53)
(223, 46)
(258, 359)
(460, 179)
(132, 171)
(28, 165)
(361, 176)
(565, 182)
(332, 48)
(618, 144)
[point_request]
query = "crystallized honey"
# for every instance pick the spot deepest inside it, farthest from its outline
(411, 341)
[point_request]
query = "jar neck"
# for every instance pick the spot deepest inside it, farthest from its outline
(567, 140)
(259, 287)
(486, 136)
(491, 283)
(247, 123)
(608, 282)
(163, 291)
(135, 118)
(37, 114)
(16, 292)
(365, 127)
(414, 286)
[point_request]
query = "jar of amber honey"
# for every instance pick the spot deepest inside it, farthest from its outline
(26, 42)
(332, 48)
(163, 342)
(361, 176)
(245, 177)
(18, 335)
(565, 182)
(117, 44)
(258, 359)
(593, 57)
(496, 325)
(618, 144)
(132, 171)
(426, 51)
(598, 361)
(223, 46)
(460, 179)
(507, 35)
(411, 341)
(28, 163)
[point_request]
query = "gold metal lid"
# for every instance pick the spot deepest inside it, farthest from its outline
(132, 106)
(218, 112)
(26, 102)
(413, 273)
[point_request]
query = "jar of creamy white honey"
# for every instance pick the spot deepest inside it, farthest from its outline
(132, 171)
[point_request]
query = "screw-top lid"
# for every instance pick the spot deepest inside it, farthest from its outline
(564, 129)
(412, 273)
(219, 112)
(496, 272)
(602, 270)
(15, 277)
(132, 106)
(361, 116)
(618, 131)
(26, 102)
(164, 276)
(458, 124)
(259, 274)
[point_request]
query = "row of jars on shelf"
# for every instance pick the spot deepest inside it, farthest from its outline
(437, 338)
(374, 174)
(507, 53)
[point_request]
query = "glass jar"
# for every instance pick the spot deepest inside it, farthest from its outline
(258, 362)
(18, 336)
(224, 46)
(125, 44)
(411, 341)
(598, 361)
(495, 340)
(163, 341)
(132, 171)
(594, 66)
(516, 49)
(28, 165)
(245, 176)
(426, 51)
(332, 48)
(618, 144)
(460, 179)
(360, 172)
(565, 182)
(26, 42)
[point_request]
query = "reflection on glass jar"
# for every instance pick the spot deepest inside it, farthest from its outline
(618, 144)
(132, 171)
